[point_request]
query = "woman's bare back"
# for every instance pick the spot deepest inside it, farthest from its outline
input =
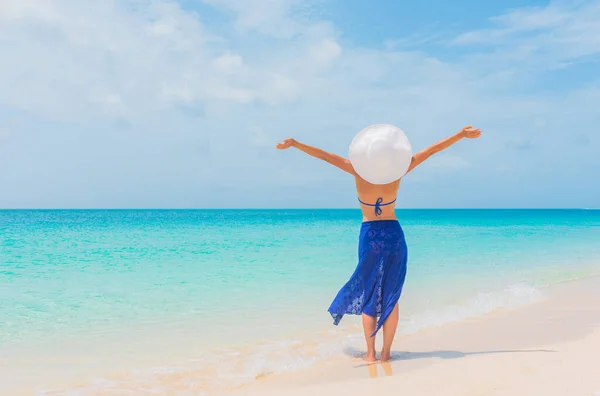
(370, 194)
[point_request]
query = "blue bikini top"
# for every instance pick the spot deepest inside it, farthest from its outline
(378, 204)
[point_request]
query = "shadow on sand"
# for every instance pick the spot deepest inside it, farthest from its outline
(397, 356)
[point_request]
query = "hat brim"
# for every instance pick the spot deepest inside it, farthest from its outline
(380, 153)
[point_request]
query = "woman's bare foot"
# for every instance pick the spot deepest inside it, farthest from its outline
(385, 356)
(370, 357)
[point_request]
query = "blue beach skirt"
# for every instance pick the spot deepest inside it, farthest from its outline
(375, 286)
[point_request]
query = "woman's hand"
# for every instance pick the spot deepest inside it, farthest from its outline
(287, 143)
(470, 133)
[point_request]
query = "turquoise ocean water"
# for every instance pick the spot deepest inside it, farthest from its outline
(218, 297)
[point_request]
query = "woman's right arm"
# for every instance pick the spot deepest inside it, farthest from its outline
(467, 132)
(331, 158)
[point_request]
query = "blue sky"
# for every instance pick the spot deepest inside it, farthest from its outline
(155, 103)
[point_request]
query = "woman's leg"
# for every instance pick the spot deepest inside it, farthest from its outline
(369, 326)
(389, 331)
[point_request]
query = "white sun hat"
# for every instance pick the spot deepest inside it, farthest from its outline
(380, 153)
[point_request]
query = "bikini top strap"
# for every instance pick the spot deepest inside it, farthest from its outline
(378, 204)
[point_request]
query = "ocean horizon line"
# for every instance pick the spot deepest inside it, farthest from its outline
(258, 209)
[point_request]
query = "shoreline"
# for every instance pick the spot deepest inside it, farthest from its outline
(543, 348)
(415, 351)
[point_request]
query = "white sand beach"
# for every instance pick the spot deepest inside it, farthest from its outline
(549, 348)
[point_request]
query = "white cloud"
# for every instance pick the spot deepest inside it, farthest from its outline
(176, 97)
(61, 59)
(325, 51)
(558, 32)
(228, 62)
(283, 19)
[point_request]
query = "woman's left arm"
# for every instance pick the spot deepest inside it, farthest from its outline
(333, 159)
(467, 132)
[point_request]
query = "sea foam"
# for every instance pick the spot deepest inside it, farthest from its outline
(226, 369)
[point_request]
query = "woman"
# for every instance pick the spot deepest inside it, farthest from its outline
(374, 289)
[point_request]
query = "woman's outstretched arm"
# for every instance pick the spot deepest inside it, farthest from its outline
(467, 132)
(333, 159)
